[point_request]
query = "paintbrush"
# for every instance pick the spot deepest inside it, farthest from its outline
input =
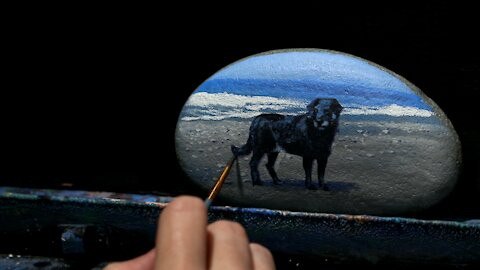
(218, 185)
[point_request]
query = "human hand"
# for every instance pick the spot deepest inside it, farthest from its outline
(186, 241)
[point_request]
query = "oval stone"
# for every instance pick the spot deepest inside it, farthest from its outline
(320, 131)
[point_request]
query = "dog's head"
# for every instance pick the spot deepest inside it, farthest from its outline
(324, 111)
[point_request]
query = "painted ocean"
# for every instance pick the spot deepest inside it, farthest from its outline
(239, 99)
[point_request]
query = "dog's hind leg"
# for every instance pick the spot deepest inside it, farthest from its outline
(272, 157)
(254, 161)
(322, 164)
(307, 166)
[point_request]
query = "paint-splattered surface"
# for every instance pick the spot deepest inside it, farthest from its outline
(34, 214)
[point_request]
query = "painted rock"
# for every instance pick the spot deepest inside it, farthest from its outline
(320, 131)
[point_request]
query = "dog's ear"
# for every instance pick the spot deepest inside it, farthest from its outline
(313, 104)
(311, 108)
(336, 107)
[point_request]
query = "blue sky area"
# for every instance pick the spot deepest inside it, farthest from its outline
(306, 75)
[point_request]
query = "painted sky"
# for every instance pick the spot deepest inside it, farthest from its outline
(308, 74)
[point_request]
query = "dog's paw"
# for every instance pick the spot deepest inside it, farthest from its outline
(277, 182)
(312, 187)
(325, 187)
(258, 183)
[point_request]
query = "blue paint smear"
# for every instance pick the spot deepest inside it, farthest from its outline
(306, 75)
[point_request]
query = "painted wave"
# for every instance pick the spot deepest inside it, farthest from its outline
(219, 106)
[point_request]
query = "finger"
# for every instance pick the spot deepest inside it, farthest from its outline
(228, 246)
(262, 257)
(146, 261)
(182, 236)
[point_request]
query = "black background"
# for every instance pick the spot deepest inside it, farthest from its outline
(91, 94)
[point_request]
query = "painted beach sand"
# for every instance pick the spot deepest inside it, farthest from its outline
(394, 152)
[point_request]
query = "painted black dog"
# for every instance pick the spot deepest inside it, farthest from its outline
(308, 135)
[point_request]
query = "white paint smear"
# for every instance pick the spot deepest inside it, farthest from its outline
(219, 106)
(391, 110)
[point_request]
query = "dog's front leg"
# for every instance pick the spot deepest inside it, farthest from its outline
(321, 165)
(307, 166)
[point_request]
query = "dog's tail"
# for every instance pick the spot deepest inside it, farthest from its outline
(244, 149)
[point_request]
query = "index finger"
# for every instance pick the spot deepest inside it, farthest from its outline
(182, 235)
